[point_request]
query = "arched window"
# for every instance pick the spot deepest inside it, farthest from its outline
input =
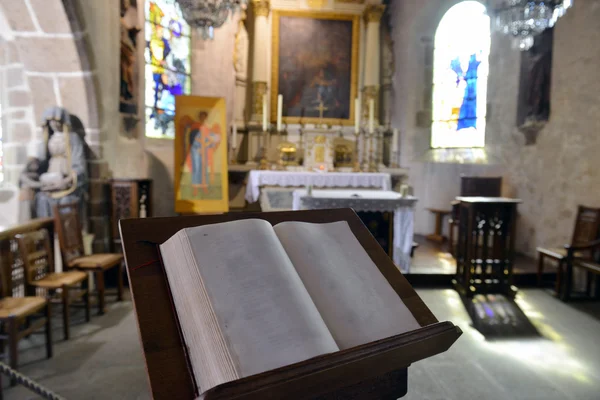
(460, 72)
(167, 65)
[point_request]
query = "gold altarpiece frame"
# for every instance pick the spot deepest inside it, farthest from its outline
(275, 87)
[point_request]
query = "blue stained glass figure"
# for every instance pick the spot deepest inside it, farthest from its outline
(461, 52)
(467, 118)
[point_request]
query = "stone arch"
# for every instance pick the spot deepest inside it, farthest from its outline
(50, 52)
(52, 44)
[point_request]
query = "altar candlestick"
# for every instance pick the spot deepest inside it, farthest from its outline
(356, 115)
(371, 115)
(264, 121)
(395, 140)
(279, 111)
(234, 135)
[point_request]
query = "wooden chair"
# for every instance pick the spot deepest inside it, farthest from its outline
(38, 263)
(585, 231)
(590, 264)
(15, 316)
(19, 318)
(70, 237)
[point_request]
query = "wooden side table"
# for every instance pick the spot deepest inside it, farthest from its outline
(486, 246)
(437, 236)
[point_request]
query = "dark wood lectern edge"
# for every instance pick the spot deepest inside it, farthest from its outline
(166, 360)
(336, 369)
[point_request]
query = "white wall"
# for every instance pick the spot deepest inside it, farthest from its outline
(552, 176)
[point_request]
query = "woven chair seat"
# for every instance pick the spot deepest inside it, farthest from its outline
(97, 261)
(20, 306)
(56, 280)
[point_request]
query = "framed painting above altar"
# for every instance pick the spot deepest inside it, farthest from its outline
(315, 66)
(200, 155)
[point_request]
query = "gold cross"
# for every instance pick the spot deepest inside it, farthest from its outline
(321, 109)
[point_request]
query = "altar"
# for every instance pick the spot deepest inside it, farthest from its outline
(381, 201)
(258, 179)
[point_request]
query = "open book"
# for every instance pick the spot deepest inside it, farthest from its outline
(252, 297)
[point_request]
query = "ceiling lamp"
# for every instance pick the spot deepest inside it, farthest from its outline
(524, 19)
(207, 15)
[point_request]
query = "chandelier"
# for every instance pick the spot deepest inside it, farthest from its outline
(524, 19)
(207, 15)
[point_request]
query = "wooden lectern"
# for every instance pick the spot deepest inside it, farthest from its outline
(376, 370)
(486, 246)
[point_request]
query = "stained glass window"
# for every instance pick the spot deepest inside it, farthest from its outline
(167, 65)
(460, 71)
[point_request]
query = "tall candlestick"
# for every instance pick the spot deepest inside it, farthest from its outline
(234, 135)
(371, 115)
(264, 121)
(356, 115)
(233, 142)
(279, 111)
(395, 140)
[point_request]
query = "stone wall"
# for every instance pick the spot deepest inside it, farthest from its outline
(17, 111)
(553, 176)
(48, 62)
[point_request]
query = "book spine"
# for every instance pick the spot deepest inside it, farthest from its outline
(179, 331)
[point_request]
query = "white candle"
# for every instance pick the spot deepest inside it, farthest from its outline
(264, 113)
(279, 111)
(356, 115)
(371, 115)
(234, 136)
(395, 141)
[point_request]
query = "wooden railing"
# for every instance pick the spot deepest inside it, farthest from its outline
(11, 267)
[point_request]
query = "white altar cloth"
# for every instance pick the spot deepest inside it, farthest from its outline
(369, 200)
(258, 178)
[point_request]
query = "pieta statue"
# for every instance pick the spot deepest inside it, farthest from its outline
(59, 174)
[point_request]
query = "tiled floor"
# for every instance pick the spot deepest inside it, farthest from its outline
(433, 258)
(561, 361)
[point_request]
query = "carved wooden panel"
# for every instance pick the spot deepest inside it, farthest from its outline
(131, 198)
(485, 250)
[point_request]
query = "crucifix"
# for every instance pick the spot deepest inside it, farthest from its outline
(321, 108)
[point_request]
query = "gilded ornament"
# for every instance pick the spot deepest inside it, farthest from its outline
(261, 8)
(316, 4)
(370, 92)
(374, 12)
(259, 89)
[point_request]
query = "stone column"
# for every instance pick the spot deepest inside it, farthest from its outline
(260, 75)
(372, 15)
(240, 64)
(260, 71)
(387, 70)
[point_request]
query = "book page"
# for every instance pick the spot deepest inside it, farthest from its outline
(352, 295)
(264, 312)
